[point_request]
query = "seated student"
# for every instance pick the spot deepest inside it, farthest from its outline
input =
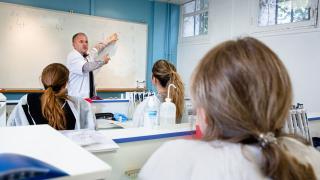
(242, 94)
(163, 74)
(53, 107)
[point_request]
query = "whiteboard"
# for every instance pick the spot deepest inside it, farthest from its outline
(31, 38)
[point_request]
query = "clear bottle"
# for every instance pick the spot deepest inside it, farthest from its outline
(168, 111)
(151, 113)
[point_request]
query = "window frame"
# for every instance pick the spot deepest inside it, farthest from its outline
(200, 37)
(292, 26)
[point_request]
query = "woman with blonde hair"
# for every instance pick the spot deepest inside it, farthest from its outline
(163, 74)
(242, 93)
(54, 106)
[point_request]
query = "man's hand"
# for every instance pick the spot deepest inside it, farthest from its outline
(111, 39)
(106, 58)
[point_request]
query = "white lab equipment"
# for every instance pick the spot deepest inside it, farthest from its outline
(3, 118)
(151, 112)
(190, 112)
(168, 111)
(297, 122)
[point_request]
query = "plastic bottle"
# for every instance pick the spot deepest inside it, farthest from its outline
(168, 111)
(151, 113)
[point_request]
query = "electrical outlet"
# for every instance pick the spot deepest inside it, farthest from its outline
(132, 174)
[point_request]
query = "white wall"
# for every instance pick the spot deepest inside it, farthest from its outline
(299, 50)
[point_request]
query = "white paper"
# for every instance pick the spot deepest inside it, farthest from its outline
(91, 140)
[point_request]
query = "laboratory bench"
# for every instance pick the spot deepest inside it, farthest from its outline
(136, 146)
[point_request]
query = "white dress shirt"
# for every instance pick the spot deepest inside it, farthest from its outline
(79, 82)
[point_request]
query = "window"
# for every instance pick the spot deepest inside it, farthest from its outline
(195, 18)
(286, 13)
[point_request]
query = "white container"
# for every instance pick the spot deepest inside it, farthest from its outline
(168, 111)
(151, 113)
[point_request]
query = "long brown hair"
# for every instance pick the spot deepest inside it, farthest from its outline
(167, 74)
(245, 90)
(54, 78)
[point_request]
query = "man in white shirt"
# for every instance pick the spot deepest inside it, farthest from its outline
(81, 64)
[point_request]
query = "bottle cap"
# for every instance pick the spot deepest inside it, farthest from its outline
(168, 100)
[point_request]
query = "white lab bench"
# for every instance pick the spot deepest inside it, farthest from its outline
(136, 146)
(48, 145)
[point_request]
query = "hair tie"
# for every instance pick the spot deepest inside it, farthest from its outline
(47, 87)
(266, 139)
(54, 88)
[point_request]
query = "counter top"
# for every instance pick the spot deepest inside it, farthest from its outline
(48, 145)
(130, 134)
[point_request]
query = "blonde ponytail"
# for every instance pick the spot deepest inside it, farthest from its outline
(167, 74)
(177, 94)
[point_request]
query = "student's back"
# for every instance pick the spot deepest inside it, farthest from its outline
(26, 114)
(53, 106)
(163, 74)
(242, 94)
(195, 160)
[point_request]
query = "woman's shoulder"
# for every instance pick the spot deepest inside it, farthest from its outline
(200, 148)
(171, 155)
(24, 99)
(182, 144)
(177, 149)
(192, 158)
(214, 144)
(215, 154)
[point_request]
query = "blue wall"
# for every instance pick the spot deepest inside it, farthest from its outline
(162, 20)
(79, 6)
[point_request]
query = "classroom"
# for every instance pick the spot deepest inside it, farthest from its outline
(159, 89)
